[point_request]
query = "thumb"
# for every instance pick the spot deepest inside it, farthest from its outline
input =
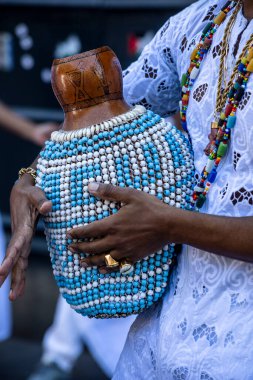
(110, 192)
(39, 201)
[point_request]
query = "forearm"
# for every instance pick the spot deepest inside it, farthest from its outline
(15, 123)
(226, 236)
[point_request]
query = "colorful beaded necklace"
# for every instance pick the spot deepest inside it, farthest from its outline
(228, 101)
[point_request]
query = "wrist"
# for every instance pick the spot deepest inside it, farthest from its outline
(177, 222)
(26, 180)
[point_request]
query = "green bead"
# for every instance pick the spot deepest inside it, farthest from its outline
(231, 93)
(201, 200)
(184, 79)
(237, 85)
(207, 27)
(222, 150)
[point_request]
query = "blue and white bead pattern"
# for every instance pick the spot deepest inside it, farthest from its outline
(138, 150)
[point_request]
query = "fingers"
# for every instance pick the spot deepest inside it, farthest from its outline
(16, 262)
(12, 255)
(92, 230)
(18, 278)
(39, 201)
(110, 192)
(93, 247)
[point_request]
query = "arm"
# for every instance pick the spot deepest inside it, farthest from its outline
(144, 225)
(27, 203)
(25, 128)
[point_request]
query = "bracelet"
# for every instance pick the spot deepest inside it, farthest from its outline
(30, 171)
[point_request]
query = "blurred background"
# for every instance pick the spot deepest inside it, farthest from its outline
(32, 34)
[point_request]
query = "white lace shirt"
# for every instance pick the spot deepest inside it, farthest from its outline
(203, 328)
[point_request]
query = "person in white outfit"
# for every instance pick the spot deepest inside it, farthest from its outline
(63, 343)
(202, 328)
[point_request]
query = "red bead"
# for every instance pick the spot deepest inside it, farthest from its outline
(228, 109)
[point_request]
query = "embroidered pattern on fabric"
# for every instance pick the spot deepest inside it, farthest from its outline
(205, 331)
(237, 157)
(200, 91)
(242, 195)
(176, 285)
(245, 100)
(180, 373)
(168, 55)
(197, 296)
(229, 339)
(210, 13)
(153, 360)
(235, 305)
(192, 43)
(165, 28)
(205, 376)
(183, 43)
(162, 86)
(183, 326)
(149, 71)
(144, 103)
(223, 192)
(216, 52)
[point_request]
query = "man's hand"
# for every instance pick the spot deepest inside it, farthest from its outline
(136, 231)
(27, 202)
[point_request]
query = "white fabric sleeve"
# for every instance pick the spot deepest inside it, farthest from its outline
(153, 80)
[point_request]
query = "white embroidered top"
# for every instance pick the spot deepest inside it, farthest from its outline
(203, 329)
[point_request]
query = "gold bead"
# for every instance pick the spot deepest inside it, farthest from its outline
(194, 53)
(214, 125)
(250, 66)
(250, 54)
(220, 18)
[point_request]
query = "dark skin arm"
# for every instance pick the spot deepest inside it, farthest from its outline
(27, 203)
(145, 224)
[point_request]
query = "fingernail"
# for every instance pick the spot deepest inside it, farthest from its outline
(102, 271)
(71, 249)
(84, 264)
(93, 186)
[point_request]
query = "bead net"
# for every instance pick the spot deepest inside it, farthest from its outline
(143, 152)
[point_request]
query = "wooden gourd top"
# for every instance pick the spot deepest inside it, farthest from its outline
(87, 79)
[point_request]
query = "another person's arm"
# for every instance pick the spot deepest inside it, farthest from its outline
(25, 128)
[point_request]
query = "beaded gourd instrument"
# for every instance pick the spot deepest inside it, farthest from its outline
(136, 149)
